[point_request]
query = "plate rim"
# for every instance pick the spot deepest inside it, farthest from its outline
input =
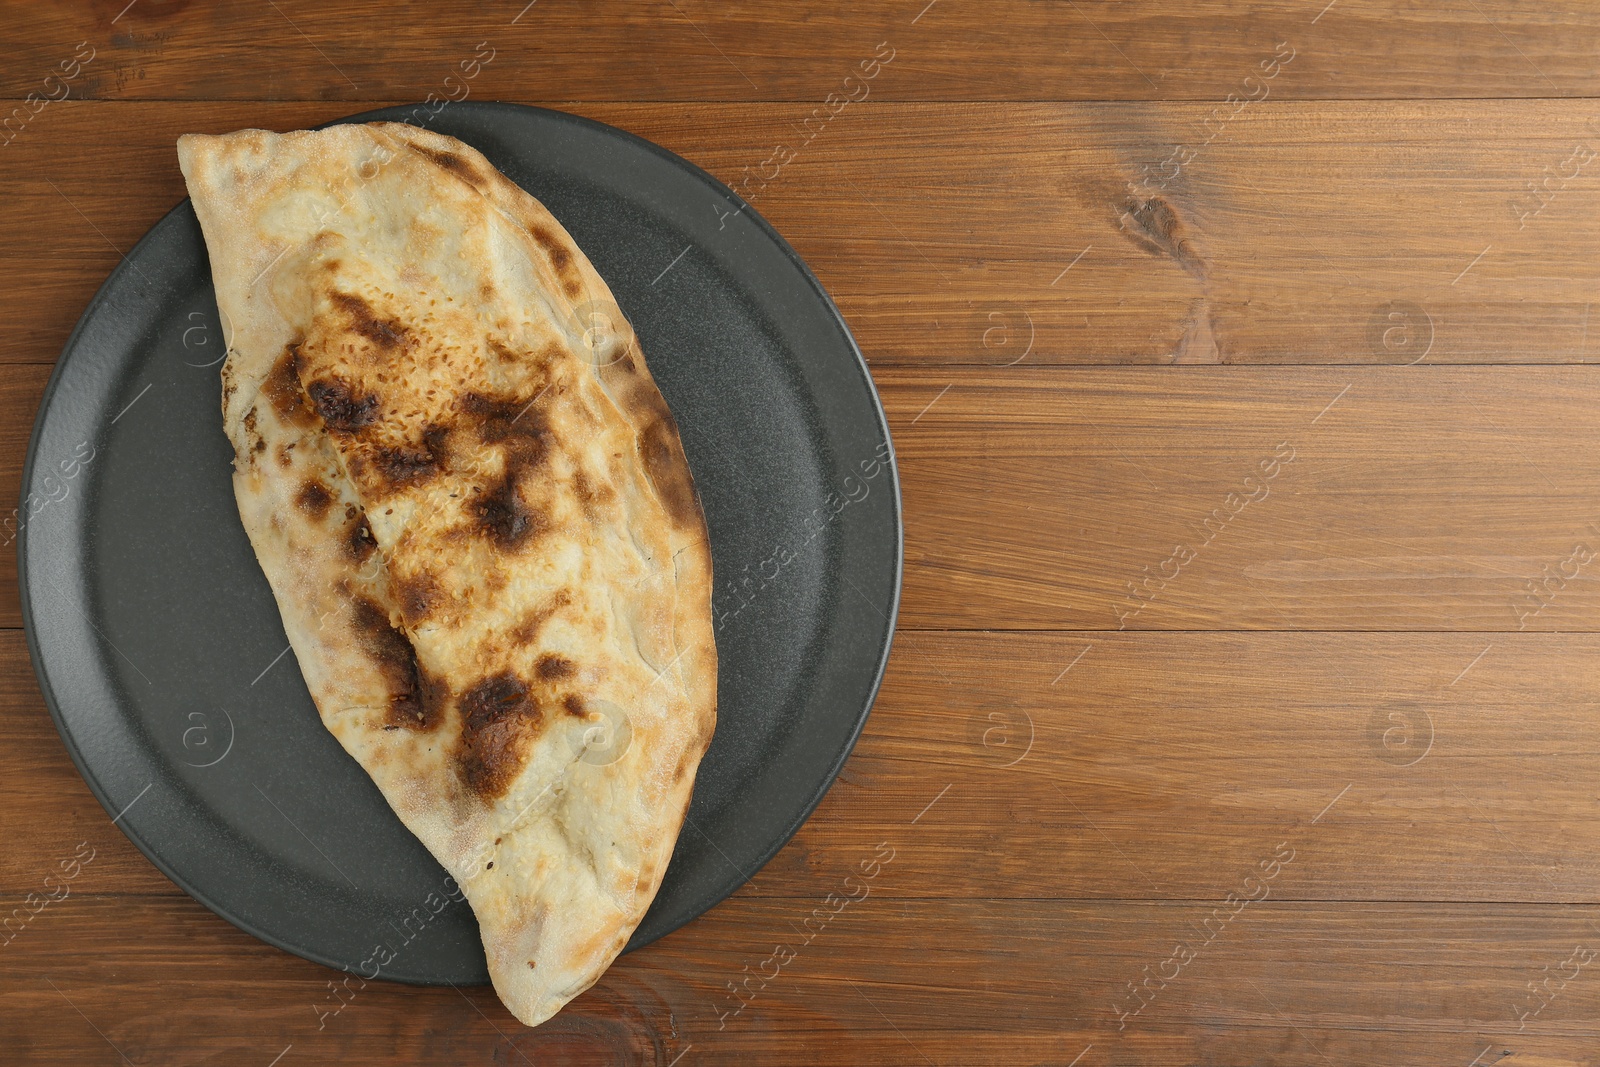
(125, 266)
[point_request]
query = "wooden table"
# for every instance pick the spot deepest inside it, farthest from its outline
(1244, 704)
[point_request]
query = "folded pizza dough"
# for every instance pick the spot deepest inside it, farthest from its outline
(472, 506)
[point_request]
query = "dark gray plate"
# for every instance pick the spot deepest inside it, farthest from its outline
(159, 647)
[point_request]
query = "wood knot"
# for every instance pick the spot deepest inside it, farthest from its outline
(1155, 226)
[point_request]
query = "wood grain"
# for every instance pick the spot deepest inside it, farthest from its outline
(993, 235)
(1148, 766)
(1429, 498)
(698, 50)
(1249, 466)
(1386, 498)
(1014, 982)
(20, 391)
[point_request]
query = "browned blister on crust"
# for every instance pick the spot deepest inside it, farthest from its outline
(474, 510)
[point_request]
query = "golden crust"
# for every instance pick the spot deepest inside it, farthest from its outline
(474, 510)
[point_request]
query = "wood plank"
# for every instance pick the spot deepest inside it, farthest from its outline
(697, 50)
(998, 234)
(949, 982)
(1417, 498)
(1162, 766)
(1427, 498)
(21, 389)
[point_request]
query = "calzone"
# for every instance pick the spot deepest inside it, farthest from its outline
(474, 511)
